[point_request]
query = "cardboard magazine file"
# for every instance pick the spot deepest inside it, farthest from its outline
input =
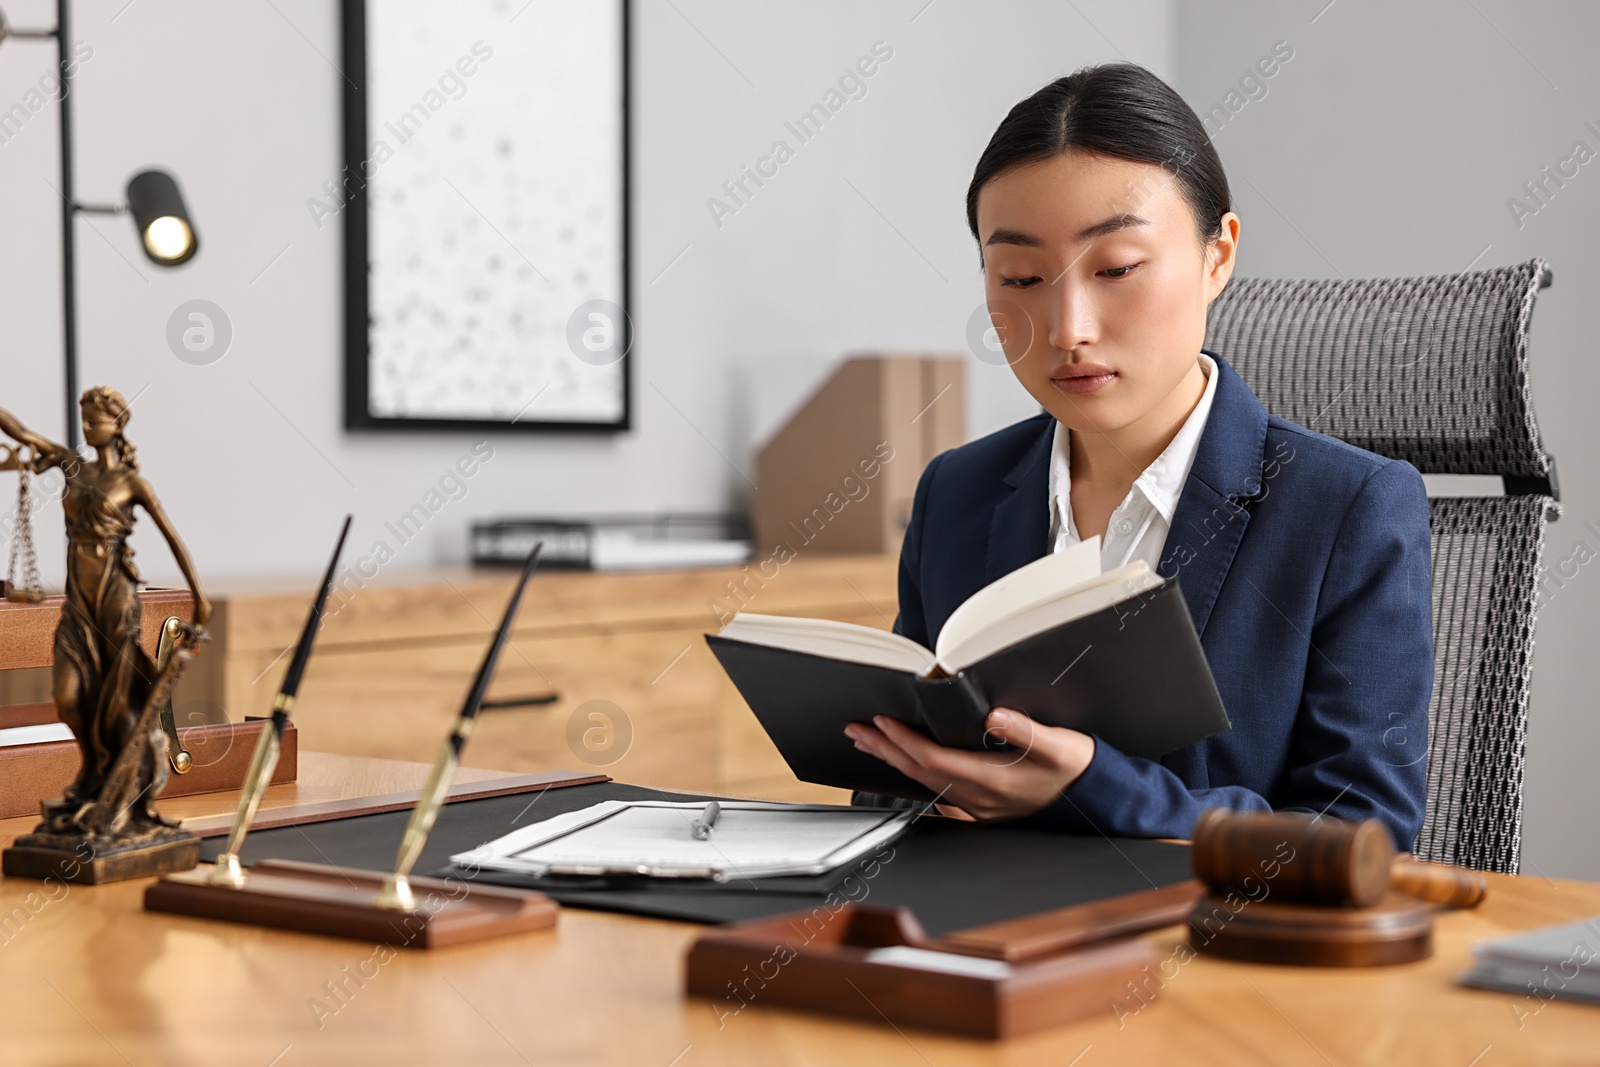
(838, 476)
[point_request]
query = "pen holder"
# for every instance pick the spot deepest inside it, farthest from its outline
(315, 898)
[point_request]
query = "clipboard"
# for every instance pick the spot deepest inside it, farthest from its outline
(652, 840)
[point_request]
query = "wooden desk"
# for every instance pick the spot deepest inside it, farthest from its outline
(89, 977)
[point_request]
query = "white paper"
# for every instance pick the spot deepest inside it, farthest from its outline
(751, 839)
(948, 962)
(33, 735)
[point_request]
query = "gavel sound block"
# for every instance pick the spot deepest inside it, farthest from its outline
(1288, 888)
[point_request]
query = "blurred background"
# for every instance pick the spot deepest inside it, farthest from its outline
(1396, 140)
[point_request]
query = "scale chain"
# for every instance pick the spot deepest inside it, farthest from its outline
(32, 588)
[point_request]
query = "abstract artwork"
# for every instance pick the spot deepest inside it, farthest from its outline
(484, 197)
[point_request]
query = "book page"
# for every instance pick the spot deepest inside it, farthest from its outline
(1045, 614)
(1047, 578)
(827, 637)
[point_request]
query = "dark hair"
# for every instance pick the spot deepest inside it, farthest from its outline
(1115, 109)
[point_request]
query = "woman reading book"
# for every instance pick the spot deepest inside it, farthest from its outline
(1105, 230)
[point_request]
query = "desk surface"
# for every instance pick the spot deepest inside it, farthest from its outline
(86, 976)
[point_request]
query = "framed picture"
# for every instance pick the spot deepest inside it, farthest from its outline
(485, 209)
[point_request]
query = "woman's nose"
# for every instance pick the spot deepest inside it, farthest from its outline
(1072, 319)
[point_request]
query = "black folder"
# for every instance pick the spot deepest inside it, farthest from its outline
(1133, 673)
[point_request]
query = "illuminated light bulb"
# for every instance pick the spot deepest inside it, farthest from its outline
(168, 238)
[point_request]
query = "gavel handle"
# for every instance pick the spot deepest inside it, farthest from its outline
(1437, 883)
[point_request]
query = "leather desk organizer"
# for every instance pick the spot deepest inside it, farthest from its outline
(998, 981)
(221, 751)
(31, 773)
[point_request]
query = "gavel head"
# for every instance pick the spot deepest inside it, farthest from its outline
(1292, 857)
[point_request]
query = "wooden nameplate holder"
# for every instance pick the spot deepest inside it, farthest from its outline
(998, 981)
(334, 901)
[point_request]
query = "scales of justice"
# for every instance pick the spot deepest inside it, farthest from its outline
(113, 697)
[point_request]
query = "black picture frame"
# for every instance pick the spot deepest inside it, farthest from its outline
(357, 348)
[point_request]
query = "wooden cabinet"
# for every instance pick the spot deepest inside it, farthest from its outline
(609, 671)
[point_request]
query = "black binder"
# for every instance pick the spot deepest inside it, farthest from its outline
(1133, 674)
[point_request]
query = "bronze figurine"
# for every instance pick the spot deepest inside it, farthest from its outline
(107, 689)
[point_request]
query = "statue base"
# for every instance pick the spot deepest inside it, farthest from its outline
(85, 860)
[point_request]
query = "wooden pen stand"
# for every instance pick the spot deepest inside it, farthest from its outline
(876, 963)
(315, 898)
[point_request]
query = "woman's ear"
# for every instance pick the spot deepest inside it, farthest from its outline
(1221, 255)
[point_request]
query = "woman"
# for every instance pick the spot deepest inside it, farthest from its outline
(1104, 227)
(102, 674)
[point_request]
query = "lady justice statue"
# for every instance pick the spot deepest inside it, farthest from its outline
(107, 689)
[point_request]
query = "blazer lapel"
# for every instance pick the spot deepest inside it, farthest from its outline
(1214, 507)
(1019, 532)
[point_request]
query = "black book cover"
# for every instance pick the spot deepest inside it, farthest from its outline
(1133, 674)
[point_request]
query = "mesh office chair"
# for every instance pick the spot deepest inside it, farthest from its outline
(1434, 371)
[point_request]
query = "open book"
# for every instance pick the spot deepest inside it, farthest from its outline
(1112, 653)
(1051, 590)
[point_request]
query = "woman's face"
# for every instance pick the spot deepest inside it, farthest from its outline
(1093, 263)
(99, 428)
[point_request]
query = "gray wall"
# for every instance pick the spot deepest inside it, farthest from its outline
(1388, 145)
(859, 242)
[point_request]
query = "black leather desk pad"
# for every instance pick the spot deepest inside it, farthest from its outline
(952, 875)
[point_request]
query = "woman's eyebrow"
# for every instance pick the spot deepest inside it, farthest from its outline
(1112, 224)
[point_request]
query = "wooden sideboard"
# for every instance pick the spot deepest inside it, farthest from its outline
(637, 692)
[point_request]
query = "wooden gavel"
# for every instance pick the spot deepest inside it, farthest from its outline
(1319, 860)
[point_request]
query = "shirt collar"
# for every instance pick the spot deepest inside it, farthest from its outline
(1162, 482)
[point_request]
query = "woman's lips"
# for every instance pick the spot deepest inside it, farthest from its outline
(1084, 378)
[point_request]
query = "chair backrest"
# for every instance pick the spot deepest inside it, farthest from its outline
(1432, 370)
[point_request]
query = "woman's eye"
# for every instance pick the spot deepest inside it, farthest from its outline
(1120, 272)
(1021, 283)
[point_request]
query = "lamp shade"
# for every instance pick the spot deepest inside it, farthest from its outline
(161, 218)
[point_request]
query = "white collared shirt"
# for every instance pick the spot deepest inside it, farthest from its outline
(1138, 527)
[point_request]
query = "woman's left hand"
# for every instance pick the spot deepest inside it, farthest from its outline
(989, 786)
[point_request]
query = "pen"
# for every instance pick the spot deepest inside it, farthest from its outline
(396, 893)
(701, 827)
(226, 869)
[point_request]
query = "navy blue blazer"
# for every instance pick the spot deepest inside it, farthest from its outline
(1305, 563)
